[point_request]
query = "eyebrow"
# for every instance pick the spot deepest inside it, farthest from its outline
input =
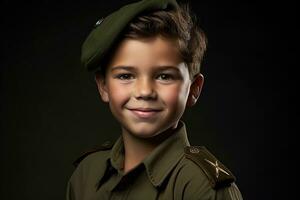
(133, 68)
(129, 68)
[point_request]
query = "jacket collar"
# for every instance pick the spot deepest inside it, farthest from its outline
(165, 157)
(161, 160)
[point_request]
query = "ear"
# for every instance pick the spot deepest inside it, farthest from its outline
(102, 87)
(195, 90)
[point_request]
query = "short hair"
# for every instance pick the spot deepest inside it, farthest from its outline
(179, 24)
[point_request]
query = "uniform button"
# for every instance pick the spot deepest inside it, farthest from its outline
(194, 150)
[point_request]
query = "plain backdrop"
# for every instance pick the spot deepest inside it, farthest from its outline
(51, 111)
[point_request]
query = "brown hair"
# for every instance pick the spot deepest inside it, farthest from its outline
(179, 24)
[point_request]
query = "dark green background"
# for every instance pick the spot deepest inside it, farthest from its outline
(51, 112)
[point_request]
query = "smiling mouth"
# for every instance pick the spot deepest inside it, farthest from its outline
(145, 113)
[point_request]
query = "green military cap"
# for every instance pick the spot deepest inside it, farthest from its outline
(107, 30)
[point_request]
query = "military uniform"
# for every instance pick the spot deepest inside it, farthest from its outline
(174, 170)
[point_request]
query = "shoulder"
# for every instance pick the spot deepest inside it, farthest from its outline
(94, 154)
(201, 176)
(91, 163)
(217, 173)
(90, 167)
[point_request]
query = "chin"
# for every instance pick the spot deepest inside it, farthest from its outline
(144, 132)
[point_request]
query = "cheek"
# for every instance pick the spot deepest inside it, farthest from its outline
(118, 93)
(175, 96)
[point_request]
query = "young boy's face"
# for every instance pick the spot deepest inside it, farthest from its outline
(147, 86)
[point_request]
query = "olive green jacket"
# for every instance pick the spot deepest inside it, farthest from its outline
(174, 170)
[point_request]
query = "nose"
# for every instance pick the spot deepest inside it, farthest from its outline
(145, 89)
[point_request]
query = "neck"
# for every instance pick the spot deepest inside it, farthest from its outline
(137, 149)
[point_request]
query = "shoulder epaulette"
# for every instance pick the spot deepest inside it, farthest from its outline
(105, 146)
(216, 172)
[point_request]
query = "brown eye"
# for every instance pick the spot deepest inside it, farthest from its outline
(165, 77)
(124, 76)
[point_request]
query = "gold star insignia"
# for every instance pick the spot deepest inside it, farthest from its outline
(218, 168)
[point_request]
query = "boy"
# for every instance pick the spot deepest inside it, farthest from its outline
(147, 58)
